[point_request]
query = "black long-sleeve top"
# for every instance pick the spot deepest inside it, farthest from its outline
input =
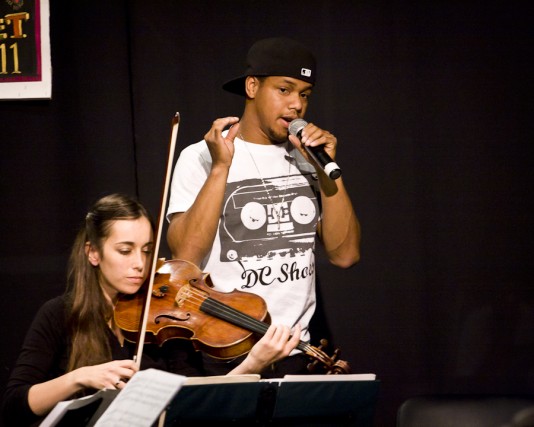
(44, 356)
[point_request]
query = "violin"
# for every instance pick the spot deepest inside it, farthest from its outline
(223, 325)
(178, 301)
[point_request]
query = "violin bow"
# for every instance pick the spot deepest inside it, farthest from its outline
(168, 174)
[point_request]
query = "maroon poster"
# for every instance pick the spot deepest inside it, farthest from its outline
(25, 68)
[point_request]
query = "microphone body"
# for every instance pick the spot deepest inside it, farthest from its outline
(318, 154)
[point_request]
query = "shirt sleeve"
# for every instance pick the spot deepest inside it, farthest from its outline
(42, 357)
(190, 172)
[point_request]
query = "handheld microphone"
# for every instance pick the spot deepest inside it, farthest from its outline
(318, 154)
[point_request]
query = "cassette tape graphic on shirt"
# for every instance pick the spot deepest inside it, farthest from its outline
(274, 217)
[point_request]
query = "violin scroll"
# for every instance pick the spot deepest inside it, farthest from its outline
(330, 365)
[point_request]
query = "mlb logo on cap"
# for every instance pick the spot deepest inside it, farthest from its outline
(306, 72)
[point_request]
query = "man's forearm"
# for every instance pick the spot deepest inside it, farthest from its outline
(340, 228)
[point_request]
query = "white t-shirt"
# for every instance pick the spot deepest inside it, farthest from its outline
(265, 240)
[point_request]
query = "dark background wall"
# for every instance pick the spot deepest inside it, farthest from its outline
(431, 104)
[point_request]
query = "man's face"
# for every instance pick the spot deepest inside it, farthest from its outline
(278, 101)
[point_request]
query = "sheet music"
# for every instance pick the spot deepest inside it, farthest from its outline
(143, 399)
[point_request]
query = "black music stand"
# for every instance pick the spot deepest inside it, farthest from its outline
(273, 403)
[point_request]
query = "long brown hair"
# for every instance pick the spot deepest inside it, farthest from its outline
(88, 310)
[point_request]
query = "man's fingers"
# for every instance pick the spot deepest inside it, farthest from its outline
(232, 133)
(222, 123)
(219, 125)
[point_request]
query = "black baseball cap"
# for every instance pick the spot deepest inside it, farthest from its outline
(276, 56)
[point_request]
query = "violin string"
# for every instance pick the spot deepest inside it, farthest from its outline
(230, 314)
(234, 316)
(222, 310)
(218, 308)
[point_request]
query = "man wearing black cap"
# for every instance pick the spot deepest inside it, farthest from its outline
(247, 203)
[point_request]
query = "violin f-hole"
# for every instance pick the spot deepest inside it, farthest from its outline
(172, 317)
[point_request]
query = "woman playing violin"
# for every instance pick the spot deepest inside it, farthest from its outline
(73, 346)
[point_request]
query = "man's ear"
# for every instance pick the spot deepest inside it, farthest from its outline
(251, 86)
(92, 254)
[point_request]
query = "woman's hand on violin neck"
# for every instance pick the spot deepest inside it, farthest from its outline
(276, 344)
(112, 375)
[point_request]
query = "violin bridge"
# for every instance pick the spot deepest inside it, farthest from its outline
(183, 295)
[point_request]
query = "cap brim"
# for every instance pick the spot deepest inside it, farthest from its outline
(236, 86)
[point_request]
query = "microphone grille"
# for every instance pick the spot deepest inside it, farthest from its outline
(295, 126)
